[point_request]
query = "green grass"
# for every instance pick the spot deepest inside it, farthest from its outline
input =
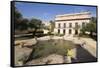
(45, 48)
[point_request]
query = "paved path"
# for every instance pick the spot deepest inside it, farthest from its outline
(26, 42)
(83, 55)
(23, 35)
(51, 59)
(90, 46)
(21, 53)
(86, 53)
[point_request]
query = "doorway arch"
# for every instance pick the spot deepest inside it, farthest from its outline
(76, 32)
(70, 31)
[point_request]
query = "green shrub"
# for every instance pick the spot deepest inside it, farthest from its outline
(84, 35)
(80, 34)
(59, 34)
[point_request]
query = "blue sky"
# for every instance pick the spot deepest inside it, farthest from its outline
(47, 12)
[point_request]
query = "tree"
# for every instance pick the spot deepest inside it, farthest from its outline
(93, 20)
(52, 26)
(18, 18)
(24, 24)
(94, 24)
(83, 29)
(35, 24)
(20, 22)
(90, 27)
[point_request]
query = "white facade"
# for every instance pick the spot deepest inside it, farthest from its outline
(45, 31)
(67, 23)
(46, 23)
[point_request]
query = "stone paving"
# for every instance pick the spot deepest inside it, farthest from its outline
(51, 59)
(21, 53)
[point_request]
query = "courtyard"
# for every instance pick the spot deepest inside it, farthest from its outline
(54, 50)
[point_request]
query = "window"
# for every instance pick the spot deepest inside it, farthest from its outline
(70, 25)
(83, 24)
(58, 31)
(76, 24)
(64, 25)
(59, 25)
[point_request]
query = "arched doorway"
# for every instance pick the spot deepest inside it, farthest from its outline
(58, 31)
(64, 31)
(70, 31)
(76, 32)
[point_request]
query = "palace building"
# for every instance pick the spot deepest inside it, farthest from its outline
(71, 23)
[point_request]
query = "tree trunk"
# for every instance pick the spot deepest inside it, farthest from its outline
(34, 32)
(91, 33)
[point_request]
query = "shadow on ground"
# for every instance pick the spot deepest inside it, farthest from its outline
(83, 55)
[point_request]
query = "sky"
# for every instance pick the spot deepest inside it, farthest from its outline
(47, 12)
